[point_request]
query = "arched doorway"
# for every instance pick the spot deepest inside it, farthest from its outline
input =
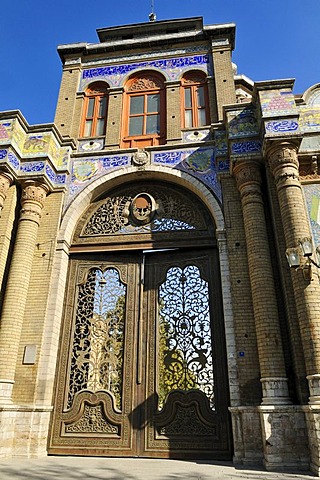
(142, 364)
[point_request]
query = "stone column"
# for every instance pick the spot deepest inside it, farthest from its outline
(16, 293)
(284, 164)
(5, 182)
(271, 358)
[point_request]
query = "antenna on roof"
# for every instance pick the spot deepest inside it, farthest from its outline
(152, 15)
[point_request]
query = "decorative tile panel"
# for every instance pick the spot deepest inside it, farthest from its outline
(91, 145)
(172, 68)
(200, 135)
(242, 123)
(223, 166)
(277, 102)
(88, 169)
(221, 143)
(33, 154)
(279, 127)
(312, 195)
(245, 148)
(198, 162)
(309, 120)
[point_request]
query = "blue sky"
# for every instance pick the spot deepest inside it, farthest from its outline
(274, 39)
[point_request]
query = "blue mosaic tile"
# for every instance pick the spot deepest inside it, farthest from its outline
(116, 161)
(13, 161)
(3, 154)
(282, 126)
(167, 158)
(173, 67)
(56, 179)
(31, 167)
(246, 147)
(223, 165)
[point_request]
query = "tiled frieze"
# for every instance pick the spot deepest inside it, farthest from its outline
(246, 147)
(33, 155)
(198, 162)
(32, 169)
(172, 68)
(34, 145)
(279, 127)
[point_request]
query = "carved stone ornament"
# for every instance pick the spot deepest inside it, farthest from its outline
(145, 83)
(143, 208)
(247, 173)
(140, 158)
(32, 200)
(282, 155)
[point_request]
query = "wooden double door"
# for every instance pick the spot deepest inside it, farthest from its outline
(142, 364)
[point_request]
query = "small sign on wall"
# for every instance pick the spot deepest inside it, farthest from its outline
(30, 353)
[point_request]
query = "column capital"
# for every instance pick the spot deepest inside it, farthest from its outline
(248, 177)
(282, 154)
(32, 200)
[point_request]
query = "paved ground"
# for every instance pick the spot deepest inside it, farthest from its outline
(91, 468)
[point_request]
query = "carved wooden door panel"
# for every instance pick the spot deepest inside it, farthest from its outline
(142, 366)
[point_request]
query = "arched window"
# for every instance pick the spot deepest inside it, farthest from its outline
(95, 110)
(144, 111)
(195, 100)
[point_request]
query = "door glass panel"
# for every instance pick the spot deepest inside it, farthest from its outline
(153, 124)
(153, 103)
(136, 105)
(97, 355)
(184, 332)
(135, 126)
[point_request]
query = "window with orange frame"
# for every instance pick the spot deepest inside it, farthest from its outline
(95, 107)
(144, 111)
(195, 100)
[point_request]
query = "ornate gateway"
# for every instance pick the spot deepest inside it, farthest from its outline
(142, 368)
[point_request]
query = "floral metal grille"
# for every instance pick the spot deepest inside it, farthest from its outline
(173, 213)
(98, 340)
(185, 343)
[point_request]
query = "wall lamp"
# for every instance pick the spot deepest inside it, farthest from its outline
(300, 257)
